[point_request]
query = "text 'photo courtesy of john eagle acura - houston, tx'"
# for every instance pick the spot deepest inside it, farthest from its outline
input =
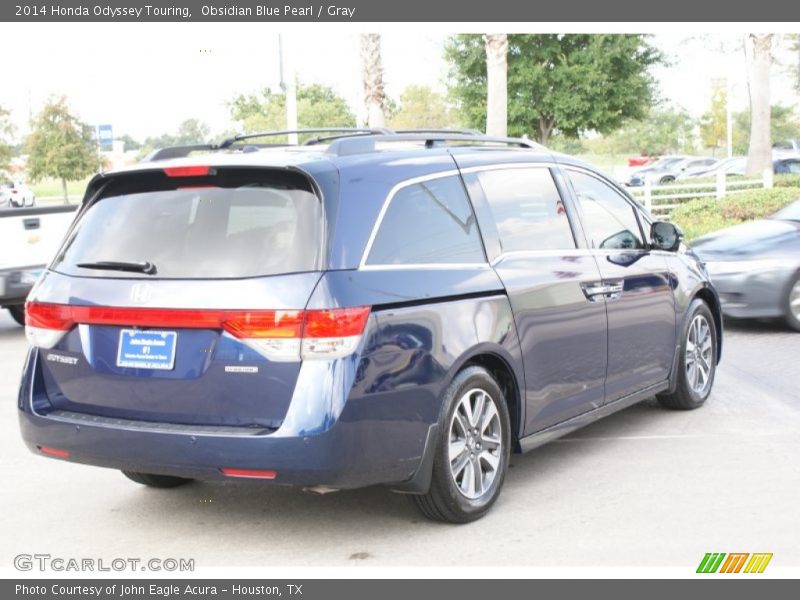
(368, 307)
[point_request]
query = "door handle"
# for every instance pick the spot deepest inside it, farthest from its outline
(29, 224)
(607, 290)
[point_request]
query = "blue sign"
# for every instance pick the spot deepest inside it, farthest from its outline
(146, 349)
(105, 135)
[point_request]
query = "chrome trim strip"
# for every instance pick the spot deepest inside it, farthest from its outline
(425, 266)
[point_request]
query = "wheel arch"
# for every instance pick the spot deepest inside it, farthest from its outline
(502, 372)
(710, 297)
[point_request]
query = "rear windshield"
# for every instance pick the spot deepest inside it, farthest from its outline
(245, 225)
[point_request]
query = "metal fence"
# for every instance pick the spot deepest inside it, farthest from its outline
(661, 199)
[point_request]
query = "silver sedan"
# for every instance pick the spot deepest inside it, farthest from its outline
(756, 266)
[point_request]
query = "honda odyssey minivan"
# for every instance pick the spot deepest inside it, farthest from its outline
(368, 307)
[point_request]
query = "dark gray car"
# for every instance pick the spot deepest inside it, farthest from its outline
(756, 266)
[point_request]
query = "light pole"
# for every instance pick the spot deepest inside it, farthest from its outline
(289, 87)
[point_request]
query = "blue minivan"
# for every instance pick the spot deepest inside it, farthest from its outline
(367, 307)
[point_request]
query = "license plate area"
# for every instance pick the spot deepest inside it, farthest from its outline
(150, 349)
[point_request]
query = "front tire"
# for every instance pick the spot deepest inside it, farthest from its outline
(792, 304)
(472, 451)
(156, 481)
(697, 362)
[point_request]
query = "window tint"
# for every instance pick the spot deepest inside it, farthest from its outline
(428, 222)
(609, 220)
(527, 209)
(249, 228)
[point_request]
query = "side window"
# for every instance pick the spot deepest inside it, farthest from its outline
(527, 209)
(609, 220)
(428, 222)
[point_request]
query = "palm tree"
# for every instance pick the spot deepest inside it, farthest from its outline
(496, 84)
(372, 72)
(759, 155)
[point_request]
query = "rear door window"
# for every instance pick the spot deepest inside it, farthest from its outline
(527, 209)
(246, 224)
(430, 222)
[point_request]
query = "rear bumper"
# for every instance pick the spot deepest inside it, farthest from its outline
(361, 446)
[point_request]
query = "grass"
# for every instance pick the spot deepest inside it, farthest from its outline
(48, 191)
(704, 215)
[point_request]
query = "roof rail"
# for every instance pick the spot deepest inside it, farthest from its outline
(435, 130)
(346, 140)
(341, 130)
(363, 144)
(178, 151)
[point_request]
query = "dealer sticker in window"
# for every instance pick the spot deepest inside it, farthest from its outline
(147, 349)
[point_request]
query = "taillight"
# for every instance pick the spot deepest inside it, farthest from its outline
(310, 334)
(249, 473)
(277, 334)
(189, 171)
(46, 324)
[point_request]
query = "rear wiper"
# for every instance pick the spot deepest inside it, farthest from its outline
(113, 265)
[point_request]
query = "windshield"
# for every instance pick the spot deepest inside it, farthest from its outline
(232, 229)
(789, 213)
(665, 162)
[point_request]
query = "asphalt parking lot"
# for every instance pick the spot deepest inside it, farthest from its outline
(644, 487)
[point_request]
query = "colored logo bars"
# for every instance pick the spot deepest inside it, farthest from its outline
(719, 562)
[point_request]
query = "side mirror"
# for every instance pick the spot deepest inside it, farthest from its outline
(665, 236)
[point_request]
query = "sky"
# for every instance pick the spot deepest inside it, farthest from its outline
(144, 79)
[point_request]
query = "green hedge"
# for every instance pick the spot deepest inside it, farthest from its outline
(704, 215)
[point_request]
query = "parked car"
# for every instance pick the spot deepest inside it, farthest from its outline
(787, 147)
(15, 194)
(30, 237)
(367, 308)
(667, 169)
(710, 171)
(781, 165)
(755, 266)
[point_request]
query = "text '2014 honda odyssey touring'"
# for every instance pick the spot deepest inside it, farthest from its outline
(368, 307)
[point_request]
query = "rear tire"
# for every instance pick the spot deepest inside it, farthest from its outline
(792, 304)
(156, 481)
(17, 313)
(469, 468)
(697, 362)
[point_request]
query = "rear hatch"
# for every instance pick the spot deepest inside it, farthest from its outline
(179, 297)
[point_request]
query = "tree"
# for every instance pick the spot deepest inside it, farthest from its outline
(372, 78)
(422, 108)
(664, 130)
(759, 154)
(129, 143)
(6, 145)
(496, 46)
(564, 83)
(784, 124)
(713, 124)
(190, 131)
(317, 106)
(60, 145)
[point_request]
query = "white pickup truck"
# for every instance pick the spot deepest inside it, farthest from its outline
(29, 238)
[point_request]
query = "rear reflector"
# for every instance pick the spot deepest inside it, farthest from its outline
(249, 473)
(190, 171)
(277, 334)
(55, 452)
